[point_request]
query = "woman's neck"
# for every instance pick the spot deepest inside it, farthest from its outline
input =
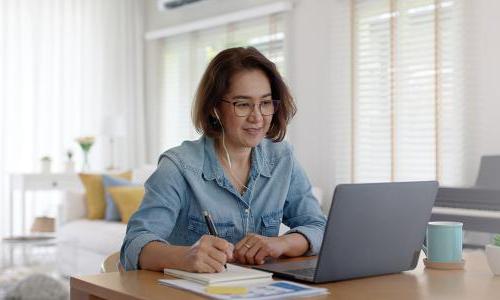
(240, 156)
(237, 167)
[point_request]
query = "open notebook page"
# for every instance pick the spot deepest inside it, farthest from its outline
(232, 274)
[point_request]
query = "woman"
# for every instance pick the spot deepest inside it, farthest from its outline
(239, 171)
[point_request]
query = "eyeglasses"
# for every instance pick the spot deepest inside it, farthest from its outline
(245, 108)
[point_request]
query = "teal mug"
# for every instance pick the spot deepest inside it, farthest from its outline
(443, 242)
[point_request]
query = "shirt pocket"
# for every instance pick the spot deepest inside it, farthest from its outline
(271, 223)
(197, 227)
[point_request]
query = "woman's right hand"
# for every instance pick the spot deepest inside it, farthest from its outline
(207, 255)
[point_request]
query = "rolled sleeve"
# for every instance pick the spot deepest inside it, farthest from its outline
(314, 237)
(131, 256)
(157, 214)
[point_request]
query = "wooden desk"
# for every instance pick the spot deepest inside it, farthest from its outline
(475, 282)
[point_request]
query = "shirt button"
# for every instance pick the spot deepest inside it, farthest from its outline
(246, 211)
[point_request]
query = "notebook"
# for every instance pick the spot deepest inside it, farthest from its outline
(233, 273)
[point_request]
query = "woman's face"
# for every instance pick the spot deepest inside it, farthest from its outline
(246, 87)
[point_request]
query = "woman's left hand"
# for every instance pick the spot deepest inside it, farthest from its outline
(254, 248)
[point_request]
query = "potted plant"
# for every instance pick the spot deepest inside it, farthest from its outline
(69, 165)
(45, 164)
(85, 143)
(493, 255)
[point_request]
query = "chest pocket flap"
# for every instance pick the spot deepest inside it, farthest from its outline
(271, 223)
(225, 229)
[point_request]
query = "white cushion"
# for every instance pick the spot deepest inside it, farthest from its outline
(73, 207)
(97, 235)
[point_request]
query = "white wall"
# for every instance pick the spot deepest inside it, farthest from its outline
(319, 82)
(482, 57)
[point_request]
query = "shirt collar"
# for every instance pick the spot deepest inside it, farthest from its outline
(213, 170)
(259, 156)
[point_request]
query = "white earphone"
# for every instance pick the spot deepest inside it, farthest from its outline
(217, 115)
(223, 140)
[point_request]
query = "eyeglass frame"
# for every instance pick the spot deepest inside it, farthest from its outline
(276, 103)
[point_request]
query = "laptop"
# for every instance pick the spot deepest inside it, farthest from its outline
(372, 229)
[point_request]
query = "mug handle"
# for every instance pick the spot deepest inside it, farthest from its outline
(424, 246)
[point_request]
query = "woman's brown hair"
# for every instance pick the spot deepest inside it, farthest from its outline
(216, 81)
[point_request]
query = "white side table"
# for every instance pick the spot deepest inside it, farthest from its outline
(38, 182)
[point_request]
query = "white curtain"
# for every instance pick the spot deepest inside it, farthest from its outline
(65, 67)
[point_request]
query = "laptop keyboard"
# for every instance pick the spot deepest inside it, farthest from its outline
(309, 272)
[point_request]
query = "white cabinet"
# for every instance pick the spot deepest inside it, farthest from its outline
(37, 182)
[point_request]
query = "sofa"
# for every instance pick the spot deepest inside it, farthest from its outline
(83, 244)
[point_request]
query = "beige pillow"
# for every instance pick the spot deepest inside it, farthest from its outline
(94, 193)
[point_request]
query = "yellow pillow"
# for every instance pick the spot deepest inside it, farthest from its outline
(94, 190)
(127, 199)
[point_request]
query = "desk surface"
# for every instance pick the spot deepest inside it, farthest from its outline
(475, 282)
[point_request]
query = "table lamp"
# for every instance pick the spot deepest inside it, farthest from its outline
(113, 127)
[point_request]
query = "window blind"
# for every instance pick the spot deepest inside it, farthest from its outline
(185, 57)
(407, 103)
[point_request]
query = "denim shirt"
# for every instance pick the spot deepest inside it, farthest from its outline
(189, 179)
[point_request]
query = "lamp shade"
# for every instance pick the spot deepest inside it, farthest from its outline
(43, 224)
(113, 126)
